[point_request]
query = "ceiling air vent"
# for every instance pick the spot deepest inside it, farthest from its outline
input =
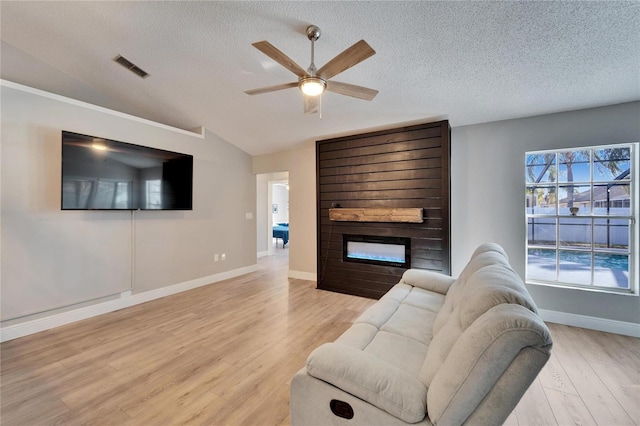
(131, 66)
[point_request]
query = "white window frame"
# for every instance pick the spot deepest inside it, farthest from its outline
(634, 215)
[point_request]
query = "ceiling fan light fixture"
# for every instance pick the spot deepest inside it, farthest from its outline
(312, 86)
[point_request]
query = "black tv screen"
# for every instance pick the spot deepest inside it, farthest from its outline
(103, 174)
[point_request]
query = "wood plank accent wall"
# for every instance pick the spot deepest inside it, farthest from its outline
(407, 167)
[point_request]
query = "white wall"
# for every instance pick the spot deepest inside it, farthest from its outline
(302, 211)
(53, 258)
(280, 197)
(262, 245)
(487, 192)
(301, 164)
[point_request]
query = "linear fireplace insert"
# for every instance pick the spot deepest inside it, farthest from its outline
(387, 251)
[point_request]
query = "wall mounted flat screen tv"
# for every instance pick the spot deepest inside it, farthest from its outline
(103, 174)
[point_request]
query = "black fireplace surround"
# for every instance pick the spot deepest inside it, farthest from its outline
(400, 168)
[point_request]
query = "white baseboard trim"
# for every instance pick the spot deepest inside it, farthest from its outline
(592, 323)
(41, 324)
(309, 276)
(127, 299)
(263, 253)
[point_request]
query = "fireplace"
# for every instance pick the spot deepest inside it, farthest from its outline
(393, 183)
(376, 250)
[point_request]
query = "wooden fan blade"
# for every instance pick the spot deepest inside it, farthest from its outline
(312, 104)
(351, 90)
(271, 88)
(276, 54)
(345, 60)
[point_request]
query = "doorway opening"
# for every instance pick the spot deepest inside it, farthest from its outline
(279, 213)
(272, 211)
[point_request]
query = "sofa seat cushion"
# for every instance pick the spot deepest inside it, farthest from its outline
(424, 299)
(411, 322)
(371, 379)
(404, 311)
(402, 352)
(387, 345)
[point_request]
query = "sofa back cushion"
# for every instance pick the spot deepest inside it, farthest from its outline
(491, 286)
(489, 367)
(488, 286)
(485, 255)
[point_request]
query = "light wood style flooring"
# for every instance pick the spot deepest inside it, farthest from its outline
(224, 354)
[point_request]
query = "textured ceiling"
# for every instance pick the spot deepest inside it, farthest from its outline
(470, 62)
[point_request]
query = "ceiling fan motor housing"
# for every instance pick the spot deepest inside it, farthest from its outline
(313, 32)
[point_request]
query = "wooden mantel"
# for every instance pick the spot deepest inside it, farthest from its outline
(406, 215)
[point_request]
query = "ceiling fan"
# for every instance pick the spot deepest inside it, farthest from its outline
(313, 82)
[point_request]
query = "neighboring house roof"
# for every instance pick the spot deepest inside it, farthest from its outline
(617, 192)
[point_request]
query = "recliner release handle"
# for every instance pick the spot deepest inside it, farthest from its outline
(341, 409)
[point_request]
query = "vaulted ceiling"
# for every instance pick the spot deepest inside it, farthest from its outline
(470, 62)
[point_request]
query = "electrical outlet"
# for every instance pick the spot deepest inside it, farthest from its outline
(215, 257)
(224, 257)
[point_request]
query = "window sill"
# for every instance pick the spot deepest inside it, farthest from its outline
(633, 292)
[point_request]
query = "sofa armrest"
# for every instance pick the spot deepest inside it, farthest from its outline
(428, 280)
(370, 379)
(489, 367)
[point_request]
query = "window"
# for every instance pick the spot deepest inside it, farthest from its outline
(581, 211)
(76, 193)
(95, 194)
(153, 193)
(121, 200)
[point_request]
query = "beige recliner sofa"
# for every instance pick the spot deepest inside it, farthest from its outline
(433, 350)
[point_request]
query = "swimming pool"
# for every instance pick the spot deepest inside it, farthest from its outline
(609, 269)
